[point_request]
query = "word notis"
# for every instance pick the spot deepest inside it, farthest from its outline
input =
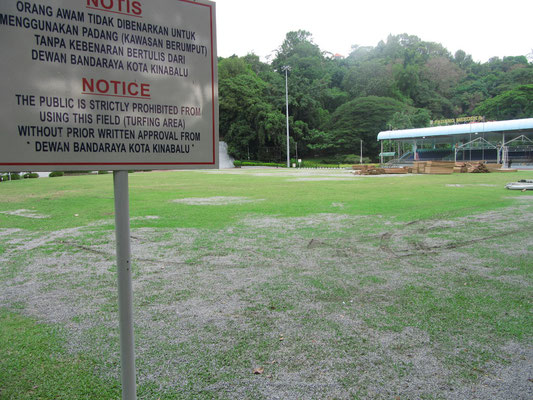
(131, 7)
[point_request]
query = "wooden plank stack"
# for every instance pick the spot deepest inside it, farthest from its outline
(471, 166)
(396, 171)
(433, 167)
(499, 168)
(440, 167)
(467, 166)
(480, 169)
(367, 170)
(419, 167)
(373, 170)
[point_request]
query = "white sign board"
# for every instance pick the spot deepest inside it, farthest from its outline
(108, 85)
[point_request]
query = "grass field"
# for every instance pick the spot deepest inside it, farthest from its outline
(332, 286)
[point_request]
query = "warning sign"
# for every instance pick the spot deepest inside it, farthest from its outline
(108, 84)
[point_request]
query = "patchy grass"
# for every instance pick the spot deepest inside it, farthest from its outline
(417, 287)
(35, 365)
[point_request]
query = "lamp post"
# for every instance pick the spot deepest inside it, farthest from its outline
(287, 68)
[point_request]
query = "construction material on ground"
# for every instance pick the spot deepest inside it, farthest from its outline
(439, 167)
(471, 166)
(374, 170)
(403, 170)
(419, 167)
(368, 170)
(474, 166)
(433, 167)
(480, 169)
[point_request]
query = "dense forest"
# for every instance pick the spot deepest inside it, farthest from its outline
(335, 102)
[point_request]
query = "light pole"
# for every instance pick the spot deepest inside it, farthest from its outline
(287, 68)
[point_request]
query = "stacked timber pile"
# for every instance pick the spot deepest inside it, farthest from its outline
(479, 166)
(448, 167)
(461, 168)
(439, 167)
(493, 167)
(433, 167)
(499, 168)
(367, 170)
(480, 169)
(397, 171)
(419, 167)
(373, 170)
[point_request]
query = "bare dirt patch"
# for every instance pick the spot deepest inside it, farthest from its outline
(319, 179)
(8, 232)
(217, 201)
(522, 198)
(25, 213)
(470, 185)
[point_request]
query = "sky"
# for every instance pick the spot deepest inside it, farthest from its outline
(483, 29)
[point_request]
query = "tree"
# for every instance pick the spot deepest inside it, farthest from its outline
(409, 118)
(333, 102)
(463, 60)
(443, 74)
(248, 121)
(407, 78)
(232, 66)
(304, 56)
(361, 119)
(410, 49)
(360, 53)
(512, 104)
(370, 78)
(309, 78)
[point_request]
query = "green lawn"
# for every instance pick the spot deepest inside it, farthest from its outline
(336, 286)
(34, 364)
(91, 197)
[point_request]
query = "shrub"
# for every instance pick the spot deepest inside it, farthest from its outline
(355, 159)
(260, 164)
(103, 172)
(351, 159)
(15, 176)
(31, 175)
(56, 173)
(77, 172)
(321, 164)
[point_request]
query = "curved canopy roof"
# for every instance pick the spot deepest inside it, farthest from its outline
(480, 127)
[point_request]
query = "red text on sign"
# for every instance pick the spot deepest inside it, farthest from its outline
(119, 6)
(116, 88)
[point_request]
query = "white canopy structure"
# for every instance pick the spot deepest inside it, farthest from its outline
(490, 141)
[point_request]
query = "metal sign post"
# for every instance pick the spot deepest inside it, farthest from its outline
(125, 292)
